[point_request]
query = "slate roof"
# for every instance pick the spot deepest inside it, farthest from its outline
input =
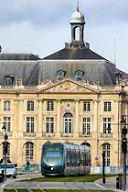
(18, 56)
(69, 60)
(17, 70)
(101, 70)
(74, 53)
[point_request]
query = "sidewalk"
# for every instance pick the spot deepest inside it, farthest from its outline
(110, 181)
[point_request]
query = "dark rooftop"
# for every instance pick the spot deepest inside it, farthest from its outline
(18, 56)
(75, 53)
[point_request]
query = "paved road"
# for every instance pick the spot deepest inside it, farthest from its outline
(11, 183)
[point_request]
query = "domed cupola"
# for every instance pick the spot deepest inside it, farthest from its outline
(77, 17)
(77, 29)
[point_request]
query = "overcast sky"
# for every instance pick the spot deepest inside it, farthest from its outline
(42, 27)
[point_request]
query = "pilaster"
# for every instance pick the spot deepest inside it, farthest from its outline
(76, 131)
(58, 118)
(40, 123)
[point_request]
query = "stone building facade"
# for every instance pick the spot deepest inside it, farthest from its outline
(73, 95)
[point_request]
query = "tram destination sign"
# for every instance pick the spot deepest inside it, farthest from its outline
(52, 148)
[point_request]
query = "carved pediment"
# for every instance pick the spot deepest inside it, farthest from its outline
(69, 86)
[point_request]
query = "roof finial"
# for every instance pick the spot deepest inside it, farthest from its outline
(0, 48)
(77, 5)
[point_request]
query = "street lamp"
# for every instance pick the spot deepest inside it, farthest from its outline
(104, 178)
(5, 150)
(124, 148)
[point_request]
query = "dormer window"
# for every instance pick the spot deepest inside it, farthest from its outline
(19, 82)
(79, 74)
(60, 74)
(9, 80)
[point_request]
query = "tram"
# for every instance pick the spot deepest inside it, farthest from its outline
(65, 159)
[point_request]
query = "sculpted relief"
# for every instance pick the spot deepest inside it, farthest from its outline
(68, 87)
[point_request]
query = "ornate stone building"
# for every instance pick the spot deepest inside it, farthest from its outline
(73, 95)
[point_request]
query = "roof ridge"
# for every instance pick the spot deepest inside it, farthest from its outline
(74, 53)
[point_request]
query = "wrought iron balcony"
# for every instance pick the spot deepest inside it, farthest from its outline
(85, 134)
(66, 134)
(25, 134)
(106, 135)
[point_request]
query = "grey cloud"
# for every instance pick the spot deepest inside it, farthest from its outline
(48, 12)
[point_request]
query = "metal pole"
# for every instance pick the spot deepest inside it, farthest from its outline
(5, 161)
(124, 173)
(5, 150)
(5, 153)
(103, 155)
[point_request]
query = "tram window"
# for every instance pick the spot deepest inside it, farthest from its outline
(78, 159)
(82, 159)
(73, 158)
(68, 158)
(84, 162)
(53, 158)
(87, 160)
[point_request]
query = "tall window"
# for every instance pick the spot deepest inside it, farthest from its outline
(106, 150)
(106, 125)
(7, 123)
(49, 125)
(30, 106)
(8, 151)
(50, 106)
(30, 124)
(86, 106)
(68, 123)
(86, 126)
(6, 105)
(29, 151)
(107, 106)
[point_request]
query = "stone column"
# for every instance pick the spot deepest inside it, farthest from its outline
(58, 131)
(76, 126)
(95, 117)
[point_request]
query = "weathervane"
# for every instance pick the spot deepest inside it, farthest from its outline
(77, 5)
(0, 48)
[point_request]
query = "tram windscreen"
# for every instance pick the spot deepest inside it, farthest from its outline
(52, 155)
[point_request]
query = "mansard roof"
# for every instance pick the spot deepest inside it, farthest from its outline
(74, 53)
(18, 56)
(33, 72)
(94, 70)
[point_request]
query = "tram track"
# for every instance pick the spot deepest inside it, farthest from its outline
(38, 186)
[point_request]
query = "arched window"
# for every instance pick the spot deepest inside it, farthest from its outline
(68, 123)
(8, 150)
(29, 151)
(106, 150)
(77, 33)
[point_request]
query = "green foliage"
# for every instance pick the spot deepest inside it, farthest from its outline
(9, 190)
(87, 178)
